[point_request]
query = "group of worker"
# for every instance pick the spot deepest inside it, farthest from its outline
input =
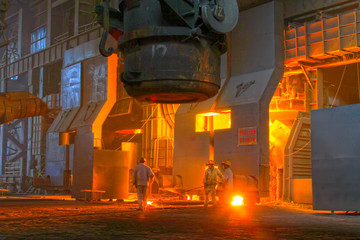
(212, 175)
(143, 176)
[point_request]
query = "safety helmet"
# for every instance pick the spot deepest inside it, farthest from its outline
(210, 162)
(227, 162)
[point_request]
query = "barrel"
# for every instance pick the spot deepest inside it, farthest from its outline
(166, 61)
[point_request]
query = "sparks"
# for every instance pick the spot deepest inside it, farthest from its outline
(238, 201)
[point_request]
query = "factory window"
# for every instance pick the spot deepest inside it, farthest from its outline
(38, 39)
(213, 121)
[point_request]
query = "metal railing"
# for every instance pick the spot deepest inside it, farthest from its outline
(87, 27)
(61, 37)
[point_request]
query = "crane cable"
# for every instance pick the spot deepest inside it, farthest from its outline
(338, 89)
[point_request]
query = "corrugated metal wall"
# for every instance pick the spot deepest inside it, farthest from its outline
(297, 162)
(323, 39)
(301, 153)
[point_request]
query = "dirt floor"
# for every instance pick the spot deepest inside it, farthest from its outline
(36, 218)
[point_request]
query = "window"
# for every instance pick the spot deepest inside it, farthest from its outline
(38, 39)
(214, 120)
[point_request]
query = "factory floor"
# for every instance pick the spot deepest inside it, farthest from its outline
(60, 217)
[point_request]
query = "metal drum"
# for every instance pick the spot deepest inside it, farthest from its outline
(171, 48)
(169, 71)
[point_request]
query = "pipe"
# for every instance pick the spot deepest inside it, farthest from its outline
(15, 105)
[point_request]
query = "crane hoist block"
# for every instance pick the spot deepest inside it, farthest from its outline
(171, 48)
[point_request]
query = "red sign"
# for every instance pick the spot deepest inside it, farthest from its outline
(247, 136)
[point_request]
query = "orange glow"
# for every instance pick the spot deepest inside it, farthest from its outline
(215, 166)
(220, 120)
(111, 99)
(195, 198)
(192, 197)
(278, 137)
(137, 131)
(149, 203)
(129, 131)
(238, 201)
(279, 134)
(209, 114)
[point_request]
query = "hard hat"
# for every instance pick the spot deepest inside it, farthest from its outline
(227, 162)
(210, 162)
(142, 160)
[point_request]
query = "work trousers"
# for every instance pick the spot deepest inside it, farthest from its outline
(226, 196)
(141, 195)
(210, 189)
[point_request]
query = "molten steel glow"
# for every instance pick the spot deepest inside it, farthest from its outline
(238, 201)
(213, 121)
(195, 198)
(129, 131)
(149, 203)
(209, 114)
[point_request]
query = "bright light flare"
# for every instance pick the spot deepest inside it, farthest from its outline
(149, 203)
(192, 197)
(215, 166)
(209, 114)
(195, 198)
(238, 201)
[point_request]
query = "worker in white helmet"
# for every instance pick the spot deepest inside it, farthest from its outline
(210, 181)
(227, 182)
(142, 176)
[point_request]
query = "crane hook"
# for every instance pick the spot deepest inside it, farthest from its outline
(110, 50)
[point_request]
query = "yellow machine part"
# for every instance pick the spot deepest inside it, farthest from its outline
(14, 105)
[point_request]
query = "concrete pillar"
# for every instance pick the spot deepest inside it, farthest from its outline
(89, 135)
(19, 43)
(254, 68)
(2, 89)
(257, 67)
(1, 148)
(29, 132)
(76, 17)
(358, 78)
(48, 24)
(320, 89)
(41, 83)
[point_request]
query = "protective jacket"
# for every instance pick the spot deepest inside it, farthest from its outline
(228, 179)
(211, 176)
(142, 173)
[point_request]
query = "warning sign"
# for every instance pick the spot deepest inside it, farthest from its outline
(247, 136)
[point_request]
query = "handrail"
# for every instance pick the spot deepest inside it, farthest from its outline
(2, 66)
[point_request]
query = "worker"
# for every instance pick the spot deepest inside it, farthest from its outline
(210, 181)
(227, 182)
(142, 177)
